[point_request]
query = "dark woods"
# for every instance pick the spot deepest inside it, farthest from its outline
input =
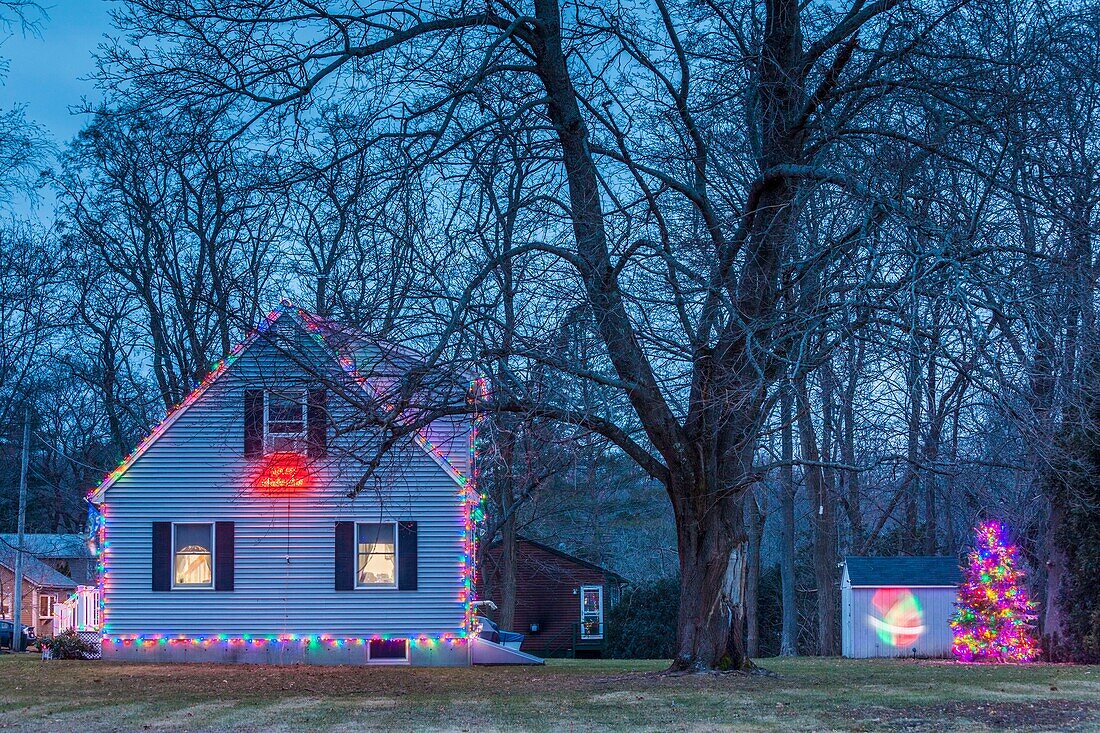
(754, 285)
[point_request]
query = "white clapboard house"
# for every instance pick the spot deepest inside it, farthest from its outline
(230, 535)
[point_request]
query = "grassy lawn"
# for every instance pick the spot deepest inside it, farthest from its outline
(807, 695)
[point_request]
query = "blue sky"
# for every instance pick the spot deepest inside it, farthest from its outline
(45, 72)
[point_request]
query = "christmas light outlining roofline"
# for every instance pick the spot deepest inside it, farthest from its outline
(347, 363)
(96, 495)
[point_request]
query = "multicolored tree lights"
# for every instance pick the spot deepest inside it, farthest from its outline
(994, 620)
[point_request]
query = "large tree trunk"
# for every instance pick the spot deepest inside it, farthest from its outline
(507, 617)
(754, 521)
(1053, 618)
(713, 551)
(707, 460)
(849, 476)
(788, 640)
(824, 527)
(929, 455)
(911, 534)
(505, 486)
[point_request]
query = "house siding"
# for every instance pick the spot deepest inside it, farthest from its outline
(32, 595)
(284, 545)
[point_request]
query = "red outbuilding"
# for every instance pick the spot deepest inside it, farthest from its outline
(561, 600)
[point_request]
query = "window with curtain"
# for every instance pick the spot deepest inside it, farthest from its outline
(377, 555)
(193, 552)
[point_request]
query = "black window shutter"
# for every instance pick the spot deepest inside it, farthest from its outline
(223, 555)
(345, 556)
(317, 423)
(253, 423)
(162, 556)
(406, 556)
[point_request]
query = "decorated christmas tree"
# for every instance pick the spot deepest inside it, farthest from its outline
(994, 620)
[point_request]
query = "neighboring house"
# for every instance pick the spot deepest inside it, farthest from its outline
(898, 606)
(70, 554)
(561, 600)
(43, 588)
(230, 536)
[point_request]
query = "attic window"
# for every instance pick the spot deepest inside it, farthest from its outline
(285, 420)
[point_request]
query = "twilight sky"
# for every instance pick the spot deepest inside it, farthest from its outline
(45, 72)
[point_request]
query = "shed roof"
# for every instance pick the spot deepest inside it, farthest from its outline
(34, 570)
(902, 571)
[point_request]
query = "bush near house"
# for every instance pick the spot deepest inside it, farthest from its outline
(68, 645)
(642, 625)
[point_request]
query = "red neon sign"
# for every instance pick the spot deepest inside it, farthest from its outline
(283, 474)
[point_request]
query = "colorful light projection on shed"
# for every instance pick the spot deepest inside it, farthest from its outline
(282, 474)
(900, 619)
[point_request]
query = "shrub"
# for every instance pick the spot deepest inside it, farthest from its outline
(643, 624)
(67, 645)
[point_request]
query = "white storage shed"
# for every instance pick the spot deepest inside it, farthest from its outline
(897, 606)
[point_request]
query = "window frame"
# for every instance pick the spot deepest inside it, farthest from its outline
(600, 613)
(396, 560)
(407, 659)
(52, 603)
(298, 437)
(213, 558)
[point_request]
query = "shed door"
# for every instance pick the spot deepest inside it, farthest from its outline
(591, 611)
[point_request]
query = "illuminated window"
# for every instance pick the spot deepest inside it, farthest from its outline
(377, 555)
(592, 612)
(285, 423)
(45, 606)
(193, 553)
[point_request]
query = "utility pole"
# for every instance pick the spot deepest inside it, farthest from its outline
(17, 586)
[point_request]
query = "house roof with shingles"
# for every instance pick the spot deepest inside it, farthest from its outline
(34, 570)
(60, 546)
(896, 572)
(611, 574)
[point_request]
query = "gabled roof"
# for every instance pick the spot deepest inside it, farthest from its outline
(34, 570)
(323, 333)
(51, 545)
(520, 539)
(896, 572)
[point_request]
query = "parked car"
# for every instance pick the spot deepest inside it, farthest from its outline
(6, 635)
(491, 632)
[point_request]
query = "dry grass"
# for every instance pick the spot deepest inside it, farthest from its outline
(807, 695)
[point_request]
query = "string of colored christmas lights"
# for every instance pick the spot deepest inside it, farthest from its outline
(994, 618)
(474, 501)
(151, 640)
(470, 498)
